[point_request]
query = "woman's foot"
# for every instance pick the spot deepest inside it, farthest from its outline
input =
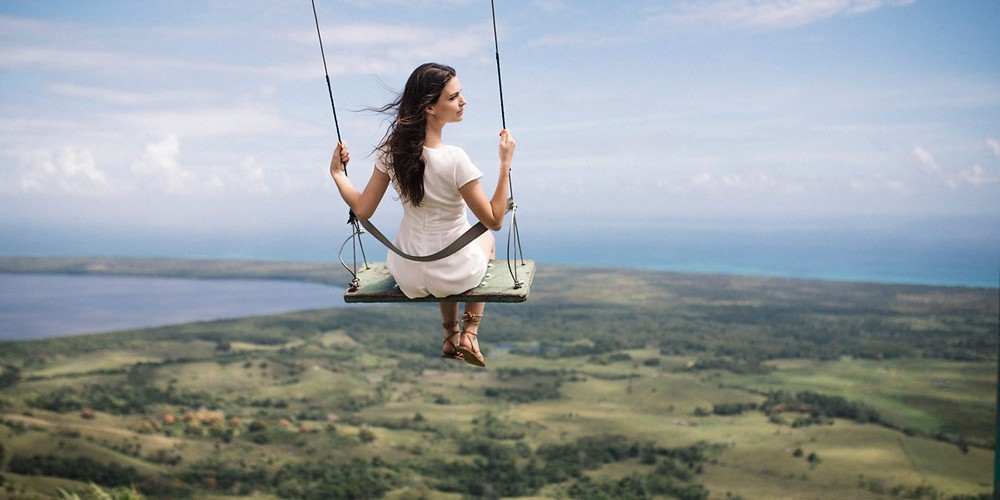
(468, 346)
(452, 338)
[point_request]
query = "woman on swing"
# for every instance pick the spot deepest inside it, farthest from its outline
(435, 183)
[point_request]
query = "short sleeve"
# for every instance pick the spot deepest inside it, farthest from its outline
(465, 170)
(380, 164)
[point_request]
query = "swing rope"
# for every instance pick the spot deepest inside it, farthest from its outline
(356, 230)
(329, 88)
(513, 237)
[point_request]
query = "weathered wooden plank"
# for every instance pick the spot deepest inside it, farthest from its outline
(377, 285)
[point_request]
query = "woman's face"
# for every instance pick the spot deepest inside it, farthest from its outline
(451, 104)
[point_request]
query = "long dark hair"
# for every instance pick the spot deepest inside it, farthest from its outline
(403, 142)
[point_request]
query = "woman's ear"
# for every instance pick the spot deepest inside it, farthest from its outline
(430, 110)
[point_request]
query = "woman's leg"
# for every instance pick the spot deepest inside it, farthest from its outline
(452, 332)
(469, 346)
(488, 243)
(474, 311)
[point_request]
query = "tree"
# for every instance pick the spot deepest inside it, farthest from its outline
(366, 435)
(9, 376)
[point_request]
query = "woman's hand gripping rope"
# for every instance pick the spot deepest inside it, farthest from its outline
(341, 157)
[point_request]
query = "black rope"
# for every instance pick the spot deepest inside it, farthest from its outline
(329, 88)
(351, 219)
(496, 45)
(513, 238)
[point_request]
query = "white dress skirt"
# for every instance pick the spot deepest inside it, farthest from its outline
(438, 221)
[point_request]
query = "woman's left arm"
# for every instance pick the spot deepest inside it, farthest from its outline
(362, 203)
(491, 211)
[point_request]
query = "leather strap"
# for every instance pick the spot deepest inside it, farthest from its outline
(467, 237)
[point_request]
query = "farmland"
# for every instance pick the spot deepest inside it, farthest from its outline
(606, 383)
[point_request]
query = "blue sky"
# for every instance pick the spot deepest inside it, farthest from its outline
(137, 123)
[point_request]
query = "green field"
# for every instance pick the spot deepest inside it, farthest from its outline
(605, 384)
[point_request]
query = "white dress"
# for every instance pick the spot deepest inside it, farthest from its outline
(438, 221)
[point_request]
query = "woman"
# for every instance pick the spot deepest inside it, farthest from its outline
(435, 183)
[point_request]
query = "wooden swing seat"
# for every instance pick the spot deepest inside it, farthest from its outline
(377, 285)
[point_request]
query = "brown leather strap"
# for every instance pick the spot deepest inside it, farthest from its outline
(467, 237)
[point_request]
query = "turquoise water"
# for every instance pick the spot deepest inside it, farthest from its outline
(935, 250)
(947, 257)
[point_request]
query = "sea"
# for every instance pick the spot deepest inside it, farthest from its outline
(941, 251)
(36, 306)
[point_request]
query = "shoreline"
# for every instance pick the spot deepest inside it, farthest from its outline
(333, 274)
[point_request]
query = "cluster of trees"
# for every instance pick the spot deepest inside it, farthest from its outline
(919, 492)
(9, 375)
(502, 470)
(725, 409)
(813, 458)
(307, 480)
(78, 468)
(820, 407)
(657, 484)
(118, 399)
(738, 365)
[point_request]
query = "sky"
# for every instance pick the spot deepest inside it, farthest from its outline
(148, 127)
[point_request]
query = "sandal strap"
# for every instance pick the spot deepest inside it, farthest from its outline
(472, 319)
(451, 333)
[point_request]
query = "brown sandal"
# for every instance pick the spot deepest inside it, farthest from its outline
(448, 342)
(468, 350)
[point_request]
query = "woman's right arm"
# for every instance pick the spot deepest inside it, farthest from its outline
(363, 204)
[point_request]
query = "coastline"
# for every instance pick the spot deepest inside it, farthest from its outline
(139, 292)
(333, 274)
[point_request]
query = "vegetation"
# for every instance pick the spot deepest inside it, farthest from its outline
(606, 384)
(96, 493)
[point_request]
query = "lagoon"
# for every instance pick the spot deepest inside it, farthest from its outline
(41, 305)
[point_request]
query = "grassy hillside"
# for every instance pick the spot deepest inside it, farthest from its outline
(605, 384)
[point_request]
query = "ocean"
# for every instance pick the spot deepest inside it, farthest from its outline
(41, 305)
(943, 251)
(930, 250)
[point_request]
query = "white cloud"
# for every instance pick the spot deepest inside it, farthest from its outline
(750, 182)
(159, 165)
(213, 121)
(769, 14)
(384, 49)
(251, 178)
(926, 160)
(976, 175)
(70, 170)
(123, 97)
(159, 162)
(994, 146)
(28, 57)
